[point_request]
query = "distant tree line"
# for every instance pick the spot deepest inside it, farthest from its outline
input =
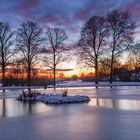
(103, 41)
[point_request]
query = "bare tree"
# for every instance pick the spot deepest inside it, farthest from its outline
(6, 47)
(55, 47)
(134, 58)
(121, 28)
(92, 42)
(29, 40)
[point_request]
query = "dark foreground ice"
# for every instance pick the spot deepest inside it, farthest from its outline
(73, 122)
(114, 115)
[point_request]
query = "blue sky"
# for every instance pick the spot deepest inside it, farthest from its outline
(67, 14)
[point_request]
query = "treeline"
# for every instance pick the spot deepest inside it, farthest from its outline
(103, 41)
(27, 47)
(122, 72)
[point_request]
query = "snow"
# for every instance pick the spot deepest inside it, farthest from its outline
(79, 83)
(21, 87)
(75, 83)
(56, 99)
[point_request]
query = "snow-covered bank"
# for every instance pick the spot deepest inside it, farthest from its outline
(55, 98)
(22, 87)
(79, 83)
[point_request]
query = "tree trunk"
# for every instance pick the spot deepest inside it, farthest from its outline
(96, 73)
(135, 74)
(29, 74)
(4, 108)
(111, 67)
(111, 72)
(54, 81)
(29, 78)
(54, 73)
(3, 75)
(3, 68)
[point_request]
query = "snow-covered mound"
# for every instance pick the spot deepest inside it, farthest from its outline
(56, 99)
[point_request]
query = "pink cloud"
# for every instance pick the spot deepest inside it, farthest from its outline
(135, 10)
(49, 19)
(29, 4)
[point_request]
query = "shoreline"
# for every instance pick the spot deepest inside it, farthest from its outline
(81, 84)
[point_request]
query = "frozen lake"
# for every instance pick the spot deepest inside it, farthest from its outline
(112, 114)
(89, 91)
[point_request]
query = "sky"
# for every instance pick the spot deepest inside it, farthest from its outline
(67, 14)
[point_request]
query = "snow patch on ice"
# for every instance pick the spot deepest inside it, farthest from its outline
(56, 99)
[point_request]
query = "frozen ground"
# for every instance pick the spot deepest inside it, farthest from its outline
(74, 83)
(112, 114)
(79, 83)
(73, 122)
(119, 92)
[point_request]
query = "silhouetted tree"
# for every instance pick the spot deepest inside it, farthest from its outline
(121, 28)
(123, 73)
(92, 42)
(29, 39)
(104, 68)
(6, 47)
(55, 38)
(134, 58)
(74, 77)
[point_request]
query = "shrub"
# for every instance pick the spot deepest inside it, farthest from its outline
(65, 92)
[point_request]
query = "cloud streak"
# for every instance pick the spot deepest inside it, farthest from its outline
(70, 15)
